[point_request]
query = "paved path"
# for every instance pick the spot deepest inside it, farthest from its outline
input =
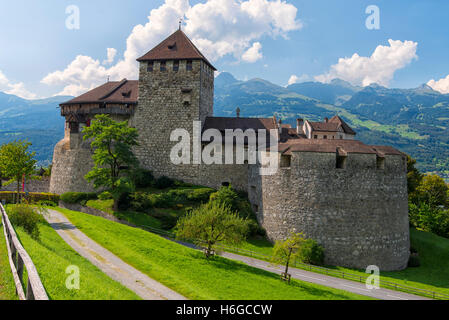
(328, 281)
(109, 263)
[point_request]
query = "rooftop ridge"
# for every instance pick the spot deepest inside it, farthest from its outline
(118, 86)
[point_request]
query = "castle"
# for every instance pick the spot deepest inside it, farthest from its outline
(350, 197)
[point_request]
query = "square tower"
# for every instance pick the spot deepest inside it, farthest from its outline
(176, 87)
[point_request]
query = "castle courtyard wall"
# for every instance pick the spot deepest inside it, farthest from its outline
(359, 214)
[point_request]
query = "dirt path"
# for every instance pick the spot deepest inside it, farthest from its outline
(109, 263)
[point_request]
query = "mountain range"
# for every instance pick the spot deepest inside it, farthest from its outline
(415, 121)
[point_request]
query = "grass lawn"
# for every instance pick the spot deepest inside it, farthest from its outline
(188, 272)
(433, 274)
(52, 255)
(136, 218)
(7, 287)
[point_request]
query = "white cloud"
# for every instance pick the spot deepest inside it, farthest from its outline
(253, 54)
(378, 68)
(295, 79)
(17, 89)
(111, 52)
(217, 27)
(441, 85)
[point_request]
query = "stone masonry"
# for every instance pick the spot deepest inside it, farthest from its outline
(348, 196)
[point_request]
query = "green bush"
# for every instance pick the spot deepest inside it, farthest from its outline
(430, 219)
(413, 261)
(227, 197)
(141, 201)
(106, 195)
(78, 197)
(200, 195)
(25, 216)
(30, 197)
(47, 203)
(164, 182)
(142, 178)
(311, 252)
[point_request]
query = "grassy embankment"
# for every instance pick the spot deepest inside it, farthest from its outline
(188, 272)
(52, 255)
(433, 274)
(7, 287)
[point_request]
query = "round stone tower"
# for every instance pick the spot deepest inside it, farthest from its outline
(350, 197)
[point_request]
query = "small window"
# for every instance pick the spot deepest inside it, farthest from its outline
(163, 66)
(341, 162)
(256, 208)
(189, 65)
(380, 163)
(325, 137)
(225, 184)
(315, 137)
(150, 66)
(175, 66)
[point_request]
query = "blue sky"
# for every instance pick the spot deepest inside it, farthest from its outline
(305, 41)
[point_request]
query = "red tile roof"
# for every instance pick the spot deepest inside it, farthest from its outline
(176, 47)
(222, 123)
(333, 125)
(331, 146)
(123, 92)
(344, 125)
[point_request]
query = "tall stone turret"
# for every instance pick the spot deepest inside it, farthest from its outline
(176, 87)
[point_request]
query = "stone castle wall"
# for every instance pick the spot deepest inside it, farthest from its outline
(42, 185)
(70, 164)
(359, 214)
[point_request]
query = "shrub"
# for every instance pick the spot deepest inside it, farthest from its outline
(47, 203)
(78, 197)
(200, 195)
(413, 261)
(164, 182)
(227, 197)
(428, 218)
(105, 195)
(142, 178)
(25, 216)
(311, 252)
(31, 197)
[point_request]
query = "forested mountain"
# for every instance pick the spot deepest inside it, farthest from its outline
(414, 120)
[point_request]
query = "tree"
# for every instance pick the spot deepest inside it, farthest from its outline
(414, 177)
(16, 161)
(112, 142)
(212, 223)
(286, 251)
(433, 190)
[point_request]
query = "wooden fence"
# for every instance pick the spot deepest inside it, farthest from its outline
(18, 259)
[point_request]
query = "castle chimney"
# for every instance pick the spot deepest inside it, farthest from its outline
(326, 120)
(238, 112)
(299, 123)
(280, 126)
